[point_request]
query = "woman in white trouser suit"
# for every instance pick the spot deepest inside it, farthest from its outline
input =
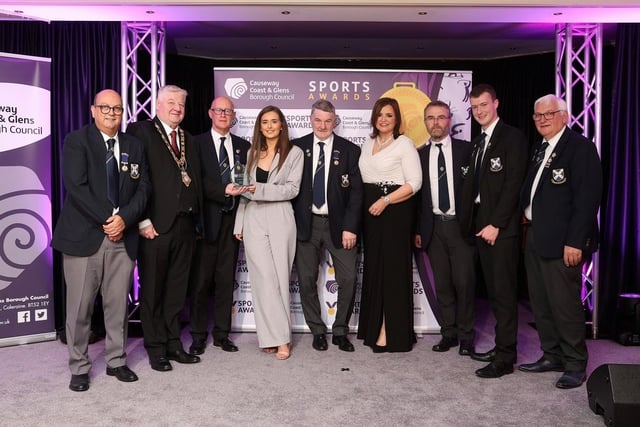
(265, 223)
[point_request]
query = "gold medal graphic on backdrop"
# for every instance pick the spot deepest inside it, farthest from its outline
(412, 102)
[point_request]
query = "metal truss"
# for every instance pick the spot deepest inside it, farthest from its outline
(143, 68)
(579, 82)
(143, 73)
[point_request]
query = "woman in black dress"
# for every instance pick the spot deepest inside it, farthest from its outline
(391, 172)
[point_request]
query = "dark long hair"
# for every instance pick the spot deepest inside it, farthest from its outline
(377, 108)
(259, 142)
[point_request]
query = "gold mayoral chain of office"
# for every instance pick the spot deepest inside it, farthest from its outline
(180, 161)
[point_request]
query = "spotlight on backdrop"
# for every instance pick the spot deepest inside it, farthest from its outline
(629, 319)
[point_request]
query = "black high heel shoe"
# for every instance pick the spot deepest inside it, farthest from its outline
(379, 349)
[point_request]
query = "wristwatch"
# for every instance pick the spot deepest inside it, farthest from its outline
(387, 200)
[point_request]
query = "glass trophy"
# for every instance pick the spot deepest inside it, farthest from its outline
(240, 174)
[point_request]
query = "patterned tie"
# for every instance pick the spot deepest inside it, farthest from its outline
(539, 156)
(225, 172)
(223, 161)
(112, 175)
(318, 179)
(536, 161)
(443, 187)
(476, 175)
(174, 144)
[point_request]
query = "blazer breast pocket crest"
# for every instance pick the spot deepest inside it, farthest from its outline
(495, 164)
(344, 180)
(558, 176)
(134, 171)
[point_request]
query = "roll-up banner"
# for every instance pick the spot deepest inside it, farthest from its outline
(26, 277)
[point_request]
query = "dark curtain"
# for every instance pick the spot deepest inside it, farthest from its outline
(85, 58)
(620, 249)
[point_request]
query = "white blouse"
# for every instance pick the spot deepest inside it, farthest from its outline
(397, 163)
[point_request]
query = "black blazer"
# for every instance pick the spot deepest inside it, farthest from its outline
(501, 175)
(165, 174)
(461, 152)
(565, 204)
(86, 207)
(344, 189)
(214, 188)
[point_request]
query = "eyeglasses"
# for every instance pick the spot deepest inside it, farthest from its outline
(434, 118)
(547, 116)
(105, 109)
(218, 111)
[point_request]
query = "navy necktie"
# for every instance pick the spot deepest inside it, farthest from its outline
(318, 179)
(476, 174)
(223, 161)
(443, 187)
(539, 156)
(225, 172)
(112, 175)
(536, 161)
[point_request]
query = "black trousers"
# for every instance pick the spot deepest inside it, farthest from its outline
(164, 264)
(213, 272)
(452, 261)
(500, 270)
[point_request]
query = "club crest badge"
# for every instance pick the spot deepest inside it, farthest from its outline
(495, 164)
(558, 176)
(135, 171)
(344, 180)
(464, 170)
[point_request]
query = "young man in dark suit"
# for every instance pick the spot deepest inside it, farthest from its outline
(214, 265)
(491, 213)
(169, 227)
(445, 166)
(560, 199)
(328, 212)
(107, 187)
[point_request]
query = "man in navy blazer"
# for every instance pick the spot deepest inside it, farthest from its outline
(97, 233)
(560, 199)
(331, 222)
(214, 265)
(452, 255)
(490, 212)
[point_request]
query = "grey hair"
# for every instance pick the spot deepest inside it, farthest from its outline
(562, 105)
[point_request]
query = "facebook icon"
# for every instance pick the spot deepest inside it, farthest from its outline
(24, 316)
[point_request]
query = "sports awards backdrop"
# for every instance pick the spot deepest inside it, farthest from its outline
(26, 283)
(353, 93)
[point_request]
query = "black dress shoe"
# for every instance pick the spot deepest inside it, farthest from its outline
(320, 342)
(466, 348)
(542, 365)
(342, 342)
(445, 344)
(122, 373)
(79, 382)
(571, 379)
(182, 356)
(197, 346)
(160, 363)
(489, 356)
(495, 370)
(226, 344)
